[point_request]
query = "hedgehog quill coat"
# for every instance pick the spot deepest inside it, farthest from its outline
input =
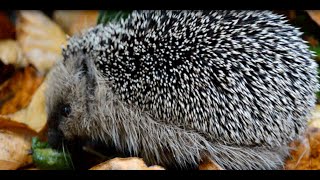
(174, 87)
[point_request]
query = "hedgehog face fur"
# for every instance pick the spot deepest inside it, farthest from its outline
(174, 87)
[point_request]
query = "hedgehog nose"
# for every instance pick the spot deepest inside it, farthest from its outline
(55, 138)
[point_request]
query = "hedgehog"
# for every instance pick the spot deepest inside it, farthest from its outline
(177, 87)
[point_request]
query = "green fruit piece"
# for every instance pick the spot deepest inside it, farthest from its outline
(50, 159)
(37, 144)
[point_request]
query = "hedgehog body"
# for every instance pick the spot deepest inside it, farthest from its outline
(175, 87)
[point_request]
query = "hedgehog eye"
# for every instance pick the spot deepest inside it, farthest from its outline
(66, 110)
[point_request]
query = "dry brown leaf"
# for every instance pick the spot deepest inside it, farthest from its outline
(15, 144)
(314, 140)
(315, 118)
(8, 124)
(209, 164)
(306, 155)
(16, 92)
(292, 14)
(11, 53)
(13, 150)
(131, 163)
(34, 115)
(300, 155)
(7, 30)
(33, 168)
(315, 15)
(40, 38)
(312, 41)
(75, 21)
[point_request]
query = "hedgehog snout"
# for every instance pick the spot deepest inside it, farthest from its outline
(55, 134)
(55, 138)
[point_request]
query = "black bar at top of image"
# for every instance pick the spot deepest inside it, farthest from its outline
(160, 4)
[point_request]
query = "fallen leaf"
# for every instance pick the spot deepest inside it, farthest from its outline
(11, 53)
(16, 92)
(132, 163)
(13, 150)
(306, 152)
(33, 168)
(7, 30)
(315, 118)
(15, 144)
(312, 41)
(209, 164)
(292, 14)
(314, 140)
(75, 21)
(300, 155)
(315, 15)
(34, 115)
(8, 124)
(41, 39)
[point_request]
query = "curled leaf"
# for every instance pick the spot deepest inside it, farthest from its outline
(11, 53)
(16, 93)
(34, 115)
(209, 164)
(315, 15)
(132, 163)
(15, 144)
(40, 38)
(75, 21)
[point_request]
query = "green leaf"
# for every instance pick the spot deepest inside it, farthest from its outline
(316, 49)
(318, 95)
(106, 16)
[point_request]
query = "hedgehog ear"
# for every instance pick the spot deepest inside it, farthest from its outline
(84, 66)
(81, 63)
(88, 72)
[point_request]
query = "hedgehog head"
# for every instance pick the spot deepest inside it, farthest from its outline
(72, 84)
